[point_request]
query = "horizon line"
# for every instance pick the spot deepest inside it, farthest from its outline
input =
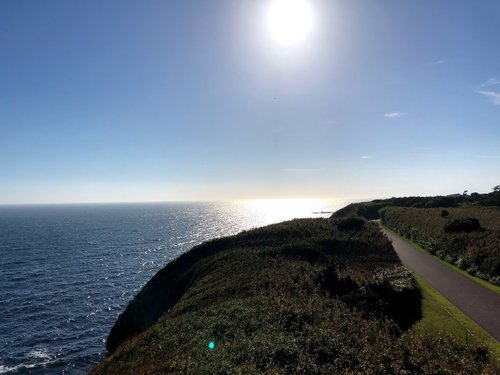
(169, 201)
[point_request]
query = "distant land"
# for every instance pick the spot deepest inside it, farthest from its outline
(315, 296)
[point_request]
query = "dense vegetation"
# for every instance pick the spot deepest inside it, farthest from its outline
(469, 238)
(370, 210)
(466, 236)
(310, 296)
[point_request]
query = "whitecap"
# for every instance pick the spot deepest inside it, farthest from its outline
(40, 353)
(7, 369)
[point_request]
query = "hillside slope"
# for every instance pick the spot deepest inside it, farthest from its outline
(310, 296)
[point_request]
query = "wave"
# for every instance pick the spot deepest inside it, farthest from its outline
(7, 369)
(37, 353)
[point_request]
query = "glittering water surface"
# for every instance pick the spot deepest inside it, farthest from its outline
(67, 271)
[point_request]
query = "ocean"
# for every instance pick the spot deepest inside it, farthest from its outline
(68, 271)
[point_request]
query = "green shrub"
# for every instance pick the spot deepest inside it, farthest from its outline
(468, 224)
(351, 223)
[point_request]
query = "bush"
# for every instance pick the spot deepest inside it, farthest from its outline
(351, 223)
(468, 224)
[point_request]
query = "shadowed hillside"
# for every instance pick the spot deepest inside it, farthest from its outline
(311, 296)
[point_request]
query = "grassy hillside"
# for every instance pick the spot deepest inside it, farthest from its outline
(468, 237)
(310, 296)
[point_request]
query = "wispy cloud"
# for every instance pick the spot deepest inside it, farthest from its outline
(493, 96)
(299, 170)
(366, 157)
(490, 82)
(438, 62)
(491, 93)
(394, 114)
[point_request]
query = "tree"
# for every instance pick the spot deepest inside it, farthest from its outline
(496, 189)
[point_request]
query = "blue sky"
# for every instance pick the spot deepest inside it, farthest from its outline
(193, 100)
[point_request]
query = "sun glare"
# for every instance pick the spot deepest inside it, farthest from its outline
(275, 210)
(289, 21)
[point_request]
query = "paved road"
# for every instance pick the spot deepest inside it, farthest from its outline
(480, 304)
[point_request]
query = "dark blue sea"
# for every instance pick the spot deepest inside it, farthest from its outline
(67, 271)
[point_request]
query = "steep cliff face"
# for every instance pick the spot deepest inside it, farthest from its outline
(161, 293)
(305, 296)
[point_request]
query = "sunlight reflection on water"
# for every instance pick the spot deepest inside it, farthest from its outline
(275, 210)
(67, 271)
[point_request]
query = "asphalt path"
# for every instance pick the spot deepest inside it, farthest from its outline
(480, 304)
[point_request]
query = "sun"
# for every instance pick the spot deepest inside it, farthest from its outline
(289, 21)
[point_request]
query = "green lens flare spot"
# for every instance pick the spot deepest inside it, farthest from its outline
(211, 345)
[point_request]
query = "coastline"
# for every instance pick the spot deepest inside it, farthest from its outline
(260, 279)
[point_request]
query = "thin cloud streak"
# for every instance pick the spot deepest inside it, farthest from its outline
(493, 96)
(394, 114)
(366, 157)
(299, 170)
(490, 82)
